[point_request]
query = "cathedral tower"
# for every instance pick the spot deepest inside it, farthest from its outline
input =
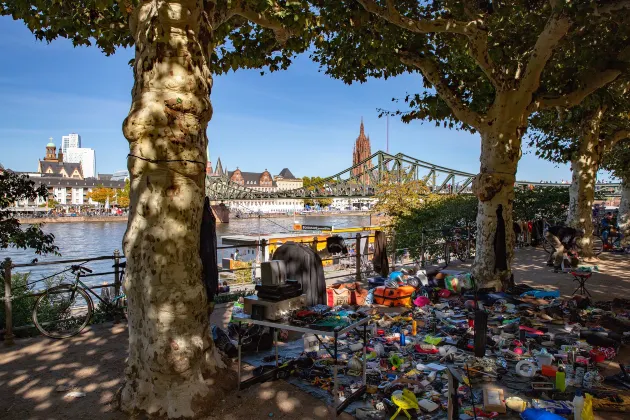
(362, 151)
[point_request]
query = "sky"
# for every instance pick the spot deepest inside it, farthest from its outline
(299, 118)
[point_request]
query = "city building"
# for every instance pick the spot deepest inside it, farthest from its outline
(83, 155)
(71, 140)
(362, 151)
(53, 164)
(263, 181)
(68, 192)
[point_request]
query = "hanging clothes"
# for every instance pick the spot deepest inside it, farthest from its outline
(208, 251)
(381, 264)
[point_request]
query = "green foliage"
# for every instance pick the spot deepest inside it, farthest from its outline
(432, 218)
(469, 51)
(541, 202)
(557, 135)
(22, 305)
(13, 188)
(618, 160)
(316, 184)
(400, 199)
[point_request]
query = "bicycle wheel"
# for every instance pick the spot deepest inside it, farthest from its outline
(598, 245)
(547, 246)
(62, 311)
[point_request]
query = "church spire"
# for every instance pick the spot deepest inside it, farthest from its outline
(362, 129)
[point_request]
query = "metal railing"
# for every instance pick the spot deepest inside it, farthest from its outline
(8, 266)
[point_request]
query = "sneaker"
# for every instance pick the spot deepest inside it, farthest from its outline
(549, 264)
(556, 269)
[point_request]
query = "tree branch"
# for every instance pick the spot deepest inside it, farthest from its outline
(555, 29)
(265, 20)
(574, 98)
(478, 38)
(619, 135)
(429, 69)
(421, 26)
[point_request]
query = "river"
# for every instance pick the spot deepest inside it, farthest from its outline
(93, 239)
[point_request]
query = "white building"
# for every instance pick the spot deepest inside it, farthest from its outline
(72, 140)
(83, 155)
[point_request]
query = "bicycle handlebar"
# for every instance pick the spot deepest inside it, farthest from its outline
(80, 268)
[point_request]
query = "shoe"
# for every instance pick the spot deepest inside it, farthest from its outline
(556, 269)
(549, 264)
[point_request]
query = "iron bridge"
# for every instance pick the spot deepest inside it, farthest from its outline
(360, 181)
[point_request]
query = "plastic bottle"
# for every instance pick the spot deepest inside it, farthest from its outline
(578, 405)
(402, 338)
(414, 327)
(561, 384)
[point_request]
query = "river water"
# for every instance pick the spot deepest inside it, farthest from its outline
(93, 239)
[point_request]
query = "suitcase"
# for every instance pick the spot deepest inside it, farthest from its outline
(400, 296)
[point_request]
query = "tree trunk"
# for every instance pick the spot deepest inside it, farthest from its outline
(494, 186)
(172, 359)
(585, 164)
(624, 211)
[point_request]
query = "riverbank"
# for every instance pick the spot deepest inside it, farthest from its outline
(83, 219)
(71, 219)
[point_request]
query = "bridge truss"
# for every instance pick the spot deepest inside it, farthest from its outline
(360, 181)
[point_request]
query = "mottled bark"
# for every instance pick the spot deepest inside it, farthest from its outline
(624, 211)
(494, 186)
(171, 356)
(585, 164)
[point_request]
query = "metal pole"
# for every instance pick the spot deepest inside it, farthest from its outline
(117, 283)
(263, 249)
(358, 257)
(8, 309)
(275, 340)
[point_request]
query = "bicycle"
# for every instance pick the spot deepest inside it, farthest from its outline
(458, 245)
(63, 311)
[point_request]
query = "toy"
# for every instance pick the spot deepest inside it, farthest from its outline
(404, 400)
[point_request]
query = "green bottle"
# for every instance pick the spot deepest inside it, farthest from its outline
(561, 383)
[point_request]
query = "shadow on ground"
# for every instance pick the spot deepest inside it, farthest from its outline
(612, 280)
(36, 374)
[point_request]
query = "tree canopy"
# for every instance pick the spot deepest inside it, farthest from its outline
(556, 135)
(14, 188)
(316, 183)
(241, 34)
(468, 51)
(618, 160)
(101, 194)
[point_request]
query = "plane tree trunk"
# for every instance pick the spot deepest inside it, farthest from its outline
(585, 163)
(172, 362)
(494, 187)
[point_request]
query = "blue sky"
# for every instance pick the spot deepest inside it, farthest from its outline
(300, 118)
